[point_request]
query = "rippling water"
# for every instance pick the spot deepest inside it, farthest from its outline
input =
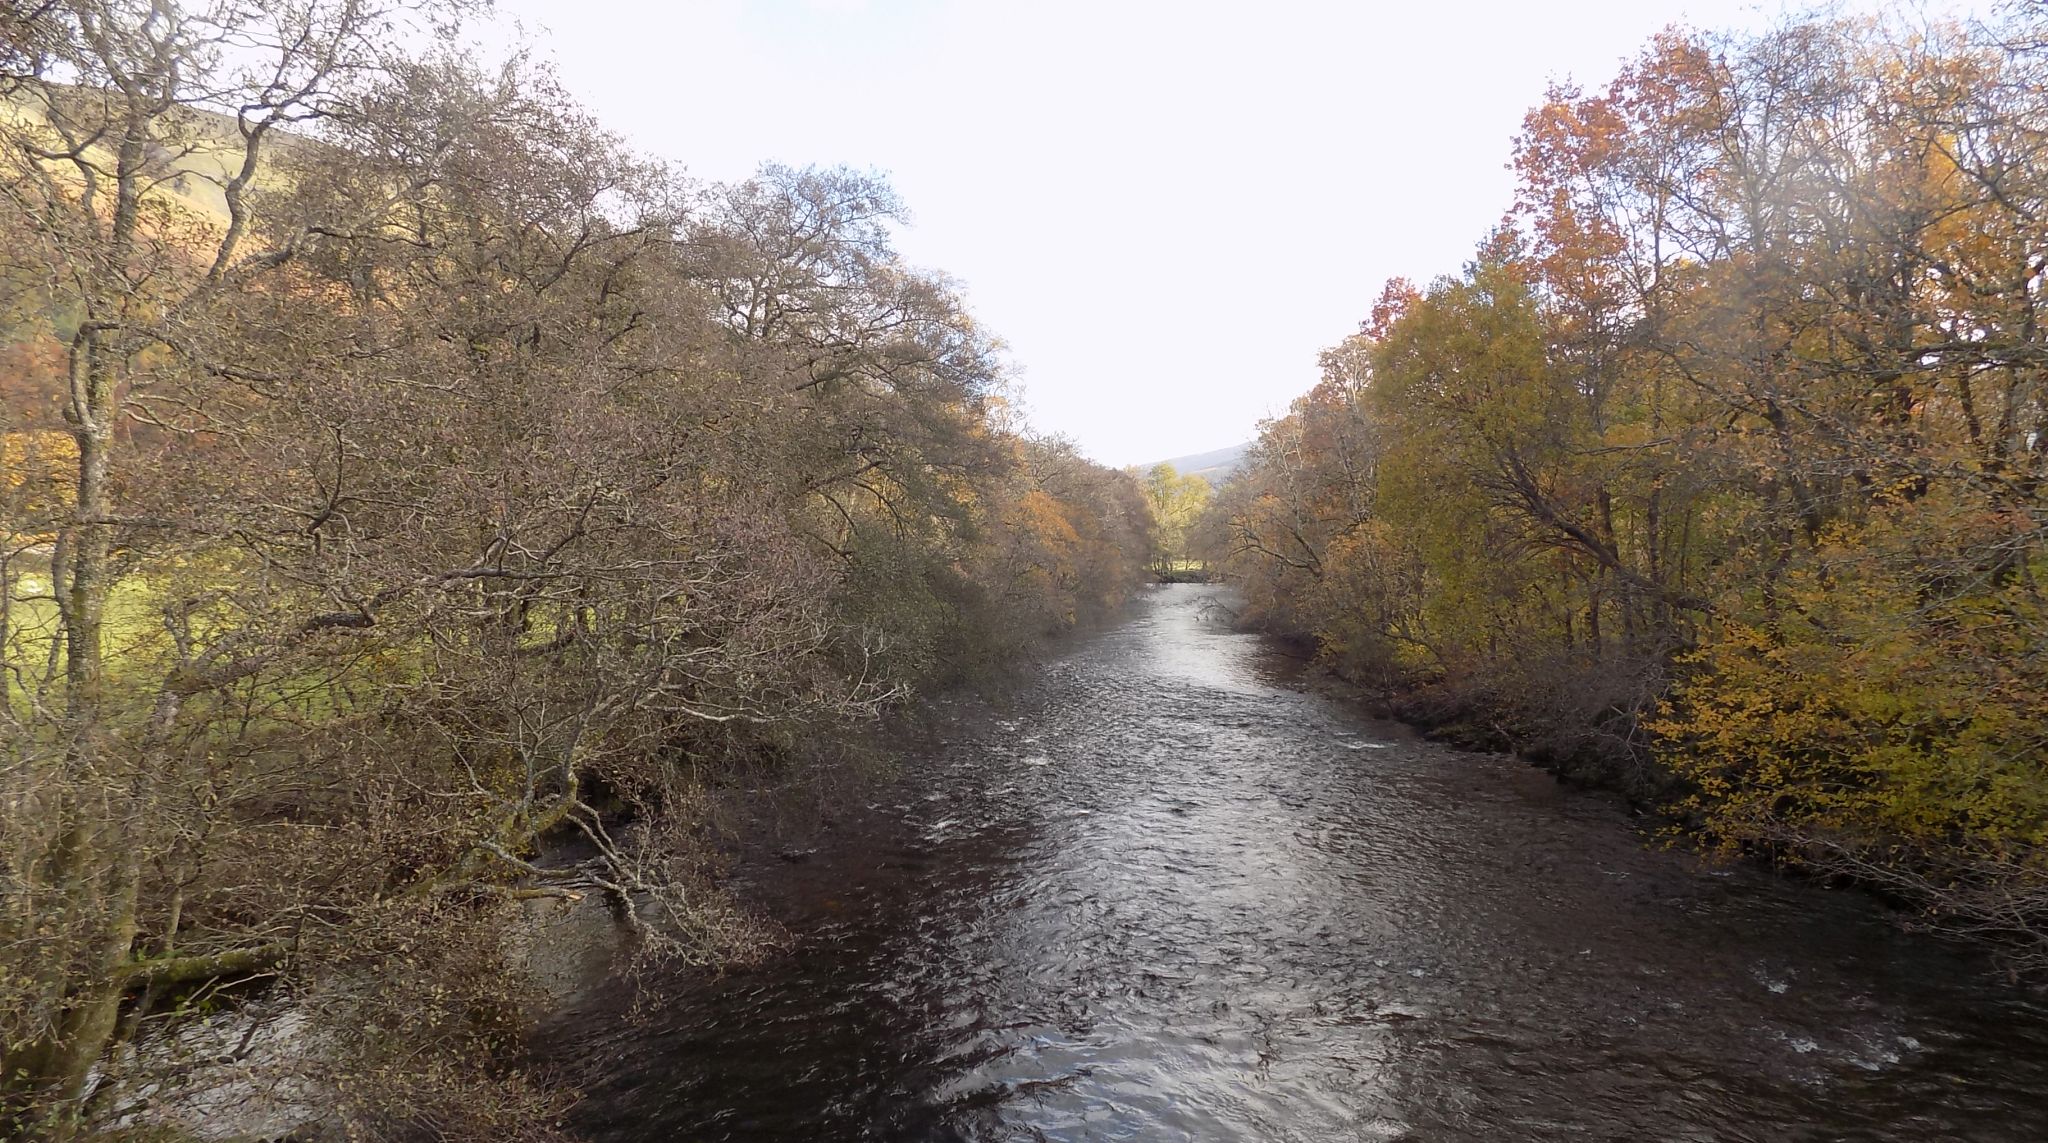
(1168, 897)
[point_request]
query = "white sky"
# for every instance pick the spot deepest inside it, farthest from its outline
(1166, 209)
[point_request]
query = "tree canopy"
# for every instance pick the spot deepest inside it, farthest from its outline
(1718, 470)
(401, 473)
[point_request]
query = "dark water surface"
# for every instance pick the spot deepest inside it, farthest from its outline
(1168, 897)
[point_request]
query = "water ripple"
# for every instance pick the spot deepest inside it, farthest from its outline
(1171, 898)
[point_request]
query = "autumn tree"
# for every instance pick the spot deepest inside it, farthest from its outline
(433, 481)
(1177, 502)
(1711, 472)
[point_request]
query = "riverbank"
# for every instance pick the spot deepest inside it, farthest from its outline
(1592, 758)
(1987, 901)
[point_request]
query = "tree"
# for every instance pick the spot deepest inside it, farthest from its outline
(1717, 465)
(1176, 502)
(437, 481)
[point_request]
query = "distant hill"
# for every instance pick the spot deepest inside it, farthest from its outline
(189, 166)
(1215, 466)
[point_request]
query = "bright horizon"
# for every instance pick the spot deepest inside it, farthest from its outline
(1166, 211)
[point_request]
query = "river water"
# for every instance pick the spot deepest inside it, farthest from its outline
(1164, 895)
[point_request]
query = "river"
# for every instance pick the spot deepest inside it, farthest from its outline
(1164, 894)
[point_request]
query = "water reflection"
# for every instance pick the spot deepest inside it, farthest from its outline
(1170, 898)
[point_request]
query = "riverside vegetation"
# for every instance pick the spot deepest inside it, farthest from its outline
(400, 473)
(1718, 473)
(1176, 502)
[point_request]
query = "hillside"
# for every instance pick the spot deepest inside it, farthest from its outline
(192, 154)
(1215, 466)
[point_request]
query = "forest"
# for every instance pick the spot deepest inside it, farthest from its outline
(1716, 474)
(401, 474)
(419, 508)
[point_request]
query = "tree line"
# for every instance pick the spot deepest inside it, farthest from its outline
(1718, 472)
(399, 472)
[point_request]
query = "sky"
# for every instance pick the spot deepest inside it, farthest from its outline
(1165, 210)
